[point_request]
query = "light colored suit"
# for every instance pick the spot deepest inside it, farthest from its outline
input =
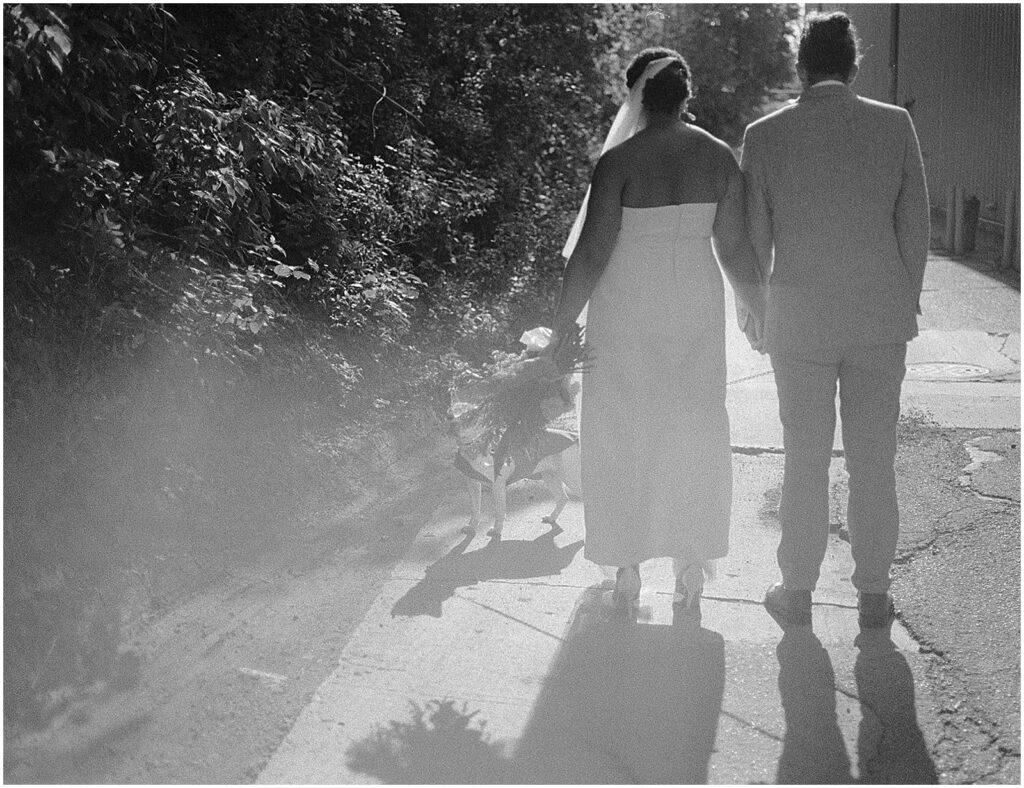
(837, 210)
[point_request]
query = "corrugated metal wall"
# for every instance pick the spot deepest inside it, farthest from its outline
(872, 21)
(959, 65)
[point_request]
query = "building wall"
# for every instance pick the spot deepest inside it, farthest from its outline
(958, 73)
(959, 64)
(873, 23)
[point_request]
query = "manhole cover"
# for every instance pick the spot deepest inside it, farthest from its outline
(945, 371)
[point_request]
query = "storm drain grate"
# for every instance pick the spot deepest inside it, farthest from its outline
(945, 371)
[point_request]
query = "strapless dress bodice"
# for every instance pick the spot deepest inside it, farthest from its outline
(668, 222)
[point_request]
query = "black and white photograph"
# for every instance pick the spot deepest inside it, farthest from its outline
(511, 393)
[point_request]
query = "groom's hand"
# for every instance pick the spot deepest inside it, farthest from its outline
(754, 331)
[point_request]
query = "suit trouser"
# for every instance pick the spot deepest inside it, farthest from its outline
(869, 378)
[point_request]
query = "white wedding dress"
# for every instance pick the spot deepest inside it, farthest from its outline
(654, 433)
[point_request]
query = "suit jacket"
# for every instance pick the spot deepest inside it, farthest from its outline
(837, 210)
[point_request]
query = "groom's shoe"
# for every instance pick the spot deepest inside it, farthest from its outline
(788, 608)
(875, 611)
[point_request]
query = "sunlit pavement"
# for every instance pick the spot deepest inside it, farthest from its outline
(497, 661)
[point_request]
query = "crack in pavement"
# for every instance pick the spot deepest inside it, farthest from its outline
(1002, 348)
(752, 726)
(1001, 499)
(909, 554)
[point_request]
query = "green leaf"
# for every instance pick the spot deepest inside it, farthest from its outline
(102, 28)
(59, 38)
(57, 60)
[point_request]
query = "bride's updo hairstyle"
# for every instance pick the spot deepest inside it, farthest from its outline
(670, 88)
(828, 45)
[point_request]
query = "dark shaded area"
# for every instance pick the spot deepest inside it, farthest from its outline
(890, 745)
(985, 257)
(813, 751)
(499, 560)
(622, 703)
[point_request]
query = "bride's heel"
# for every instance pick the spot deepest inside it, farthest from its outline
(689, 587)
(626, 596)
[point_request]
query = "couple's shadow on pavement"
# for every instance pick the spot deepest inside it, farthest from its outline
(622, 703)
(890, 745)
(498, 560)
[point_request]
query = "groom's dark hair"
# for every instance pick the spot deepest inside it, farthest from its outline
(667, 90)
(828, 45)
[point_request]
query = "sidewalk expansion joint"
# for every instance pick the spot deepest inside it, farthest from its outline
(527, 581)
(370, 666)
(853, 696)
(758, 602)
(757, 451)
(752, 726)
(510, 617)
(755, 376)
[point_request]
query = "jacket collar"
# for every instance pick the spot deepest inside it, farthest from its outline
(826, 92)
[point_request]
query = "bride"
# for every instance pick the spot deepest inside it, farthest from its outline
(665, 208)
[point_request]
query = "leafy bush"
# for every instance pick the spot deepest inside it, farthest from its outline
(229, 227)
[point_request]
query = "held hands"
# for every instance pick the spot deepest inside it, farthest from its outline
(750, 313)
(754, 330)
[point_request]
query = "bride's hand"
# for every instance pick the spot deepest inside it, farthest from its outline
(560, 333)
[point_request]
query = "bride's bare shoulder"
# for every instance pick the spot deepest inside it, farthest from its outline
(618, 159)
(709, 143)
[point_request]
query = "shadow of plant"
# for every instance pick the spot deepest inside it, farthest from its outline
(439, 745)
(499, 560)
(622, 703)
(626, 703)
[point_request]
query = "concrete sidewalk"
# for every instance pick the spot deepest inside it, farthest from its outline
(498, 662)
(488, 661)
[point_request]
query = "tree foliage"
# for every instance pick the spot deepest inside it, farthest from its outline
(358, 158)
(373, 166)
(738, 52)
(216, 210)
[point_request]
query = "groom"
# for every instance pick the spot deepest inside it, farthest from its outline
(838, 213)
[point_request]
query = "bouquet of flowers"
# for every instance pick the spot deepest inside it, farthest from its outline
(517, 399)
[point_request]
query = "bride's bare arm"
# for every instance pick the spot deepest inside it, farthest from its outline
(732, 242)
(594, 248)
